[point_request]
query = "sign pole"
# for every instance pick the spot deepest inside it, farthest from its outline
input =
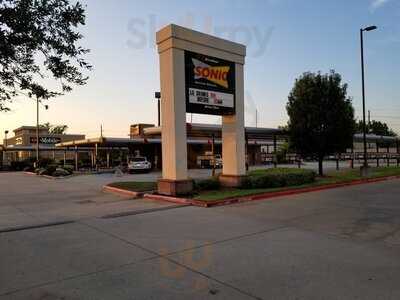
(37, 131)
(202, 74)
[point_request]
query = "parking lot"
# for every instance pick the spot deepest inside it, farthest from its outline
(336, 244)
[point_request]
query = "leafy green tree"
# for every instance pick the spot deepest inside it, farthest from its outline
(39, 40)
(59, 129)
(282, 151)
(54, 129)
(321, 116)
(376, 127)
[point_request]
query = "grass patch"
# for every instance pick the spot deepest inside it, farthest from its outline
(332, 177)
(135, 186)
(276, 171)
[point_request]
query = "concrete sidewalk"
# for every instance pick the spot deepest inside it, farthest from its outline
(336, 244)
(27, 200)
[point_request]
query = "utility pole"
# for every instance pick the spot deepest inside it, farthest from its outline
(37, 131)
(5, 138)
(157, 95)
(369, 118)
(256, 117)
(5, 147)
(365, 165)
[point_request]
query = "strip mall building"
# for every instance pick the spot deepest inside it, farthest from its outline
(144, 139)
(22, 145)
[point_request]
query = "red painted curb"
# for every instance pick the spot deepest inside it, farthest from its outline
(29, 173)
(122, 192)
(167, 199)
(257, 197)
(48, 176)
(269, 195)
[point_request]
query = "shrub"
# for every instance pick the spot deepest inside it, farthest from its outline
(275, 178)
(59, 172)
(69, 168)
(208, 184)
(247, 183)
(29, 169)
(44, 162)
(40, 171)
(49, 170)
(17, 165)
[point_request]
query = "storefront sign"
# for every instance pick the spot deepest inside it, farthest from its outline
(18, 141)
(48, 140)
(209, 85)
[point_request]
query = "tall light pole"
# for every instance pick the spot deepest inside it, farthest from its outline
(5, 146)
(5, 138)
(256, 117)
(37, 129)
(369, 28)
(37, 132)
(157, 95)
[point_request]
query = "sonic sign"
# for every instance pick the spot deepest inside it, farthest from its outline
(210, 85)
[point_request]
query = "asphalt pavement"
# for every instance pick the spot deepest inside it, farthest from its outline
(56, 244)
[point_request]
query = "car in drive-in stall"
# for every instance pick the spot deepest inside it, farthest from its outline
(139, 164)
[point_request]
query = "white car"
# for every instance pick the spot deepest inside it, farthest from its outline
(139, 164)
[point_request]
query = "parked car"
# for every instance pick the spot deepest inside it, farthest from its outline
(139, 164)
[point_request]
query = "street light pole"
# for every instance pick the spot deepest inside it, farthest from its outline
(256, 118)
(5, 138)
(157, 95)
(37, 129)
(37, 132)
(370, 28)
(5, 147)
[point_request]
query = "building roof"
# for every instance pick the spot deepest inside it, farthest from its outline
(372, 138)
(29, 147)
(207, 130)
(29, 128)
(109, 142)
(32, 148)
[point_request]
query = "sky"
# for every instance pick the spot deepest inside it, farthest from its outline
(284, 38)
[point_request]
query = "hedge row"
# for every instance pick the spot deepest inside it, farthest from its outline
(55, 171)
(276, 178)
(209, 184)
(27, 164)
(264, 179)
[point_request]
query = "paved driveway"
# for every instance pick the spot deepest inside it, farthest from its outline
(30, 200)
(336, 244)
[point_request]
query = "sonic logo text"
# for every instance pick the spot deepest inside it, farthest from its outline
(217, 74)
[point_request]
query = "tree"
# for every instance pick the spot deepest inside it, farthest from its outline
(45, 126)
(38, 41)
(59, 129)
(376, 127)
(321, 116)
(54, 129)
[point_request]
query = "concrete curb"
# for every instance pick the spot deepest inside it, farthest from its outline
(49, 177)
(30, 173)
(168, 199)
(266, 196)
(122, 192)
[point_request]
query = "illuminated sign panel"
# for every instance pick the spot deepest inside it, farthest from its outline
(19, 141)
(47, 140)
(209, 85)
